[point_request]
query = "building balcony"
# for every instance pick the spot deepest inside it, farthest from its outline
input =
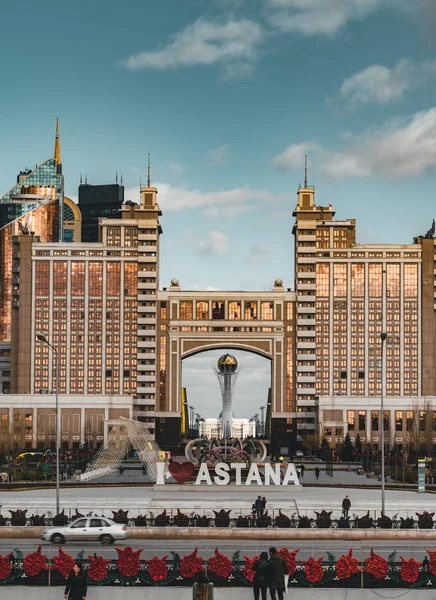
(144, 258)
(305, 275)
(142, 285)
(306, 287)
(306, 379)
(140, 344)
(141, 377)
(147, 309)
(301, 237)
(145, 297)
(306, 345)
(146, 274)
(152, 237)
(145, 368)
(306, 310)
(145, 390)
(305, 426)
(146, 356)
(145, 413)
(306, 391)
(146, 320)
(304, 322)
(306, 260)
(305, 334)
(141, 332)
(303, 357)
(306, 298)
(307, 368)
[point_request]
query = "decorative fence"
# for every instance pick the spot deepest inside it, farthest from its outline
(223, 518)
(372, 571)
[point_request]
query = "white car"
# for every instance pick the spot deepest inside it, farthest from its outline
(93, 529)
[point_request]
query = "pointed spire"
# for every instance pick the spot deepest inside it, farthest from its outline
(57, 150)
(140, 182)
(80, 178)
(121, 179)
(116, 176)
(86, 179)
(305, 171)
(148, 178)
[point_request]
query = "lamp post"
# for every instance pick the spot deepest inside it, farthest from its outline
(41, 337)
(383, 337)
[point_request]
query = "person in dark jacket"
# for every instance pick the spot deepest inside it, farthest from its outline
(76, 584)
(279, 569)
(262, 570)
(346, 505)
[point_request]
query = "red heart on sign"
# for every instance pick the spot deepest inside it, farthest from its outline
(181, 471)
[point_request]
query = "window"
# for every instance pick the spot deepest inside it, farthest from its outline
(410, 280)
(322, 279)
(42, 277)
(250, 311)
(340, 280)
(374, 420)
(113, 278)
(234, 310)
(60, 278)
(351, 420)
(375, 280)
(78, 278)
(393, 281)
(398, 420)
(266, 310)
(186, 309)
(78, 524)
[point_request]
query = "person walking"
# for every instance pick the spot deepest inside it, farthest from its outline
(317, 471)
(279, 569)
(259, 506)
(302, 467)
(346, 505)
(262, 571)
(76, 587)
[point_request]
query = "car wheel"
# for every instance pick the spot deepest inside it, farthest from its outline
(106, 540)
(57, 538)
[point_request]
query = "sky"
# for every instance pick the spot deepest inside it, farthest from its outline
(228, 96)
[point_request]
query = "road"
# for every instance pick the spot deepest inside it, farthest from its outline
(206, 548)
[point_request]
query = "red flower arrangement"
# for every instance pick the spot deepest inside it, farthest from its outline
(347, 565)
(220, 564)
(290, 559)
(5, 566)
(63, 563)
(191, 564)
(248, 568)
(376, 565)
(409, 571)
(128, 561)
(34, 563)
(313, 569)
(158, 568)
(97, 569)
(432, 563)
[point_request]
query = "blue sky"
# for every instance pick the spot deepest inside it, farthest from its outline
(228, 96)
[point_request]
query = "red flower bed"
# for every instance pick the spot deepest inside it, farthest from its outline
(63, 563)
(432, 563)
(5, 566)
(409, 571)
(290, 559)
(157, 568)
(347, 565)
(376, 565)
(191, 564)
(220, 564)
(97, 569)
(248, 568)
(128, 561)
(34, 563)
(313, 569)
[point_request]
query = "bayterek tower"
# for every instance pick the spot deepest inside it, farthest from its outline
(227, 373)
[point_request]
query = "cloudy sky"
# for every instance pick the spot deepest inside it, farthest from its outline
(228, 96)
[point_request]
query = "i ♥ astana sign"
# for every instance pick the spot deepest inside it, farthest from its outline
(220, 474)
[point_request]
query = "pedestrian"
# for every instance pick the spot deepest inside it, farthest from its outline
(263, 504)
(346, 505)
(76, 584)
(317, 473)
(279, 569)
(262, 570)
(302, 470)
(259, 506)
(298, 469)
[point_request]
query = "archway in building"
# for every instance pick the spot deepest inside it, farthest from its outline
(250, 394)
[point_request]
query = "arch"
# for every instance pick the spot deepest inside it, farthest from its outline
(224, 346)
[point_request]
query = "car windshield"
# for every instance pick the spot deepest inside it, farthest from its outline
(79, 523)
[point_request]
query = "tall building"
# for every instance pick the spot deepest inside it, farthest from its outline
(98, 201)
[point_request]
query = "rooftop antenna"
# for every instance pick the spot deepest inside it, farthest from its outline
(80, 178)
(148, 179)
(116, 176)
(140, 181)
(121, 180)
(305, 171)
(86, 179)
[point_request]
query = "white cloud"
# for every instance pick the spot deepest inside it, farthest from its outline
(205, 43)
(218, 156)
(203, 288)
(174, 167)
(173, 198)
(321, 17)
(261, 249)
(293, 157)
(378, 84)
(401, 148)
(216, 242)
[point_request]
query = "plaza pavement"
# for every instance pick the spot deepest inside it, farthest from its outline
(140, 500)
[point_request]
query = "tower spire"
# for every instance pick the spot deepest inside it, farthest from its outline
(305, 171)
(57, 149)
(81, 181)
(116, 177)
(148, 178)
(121, 179)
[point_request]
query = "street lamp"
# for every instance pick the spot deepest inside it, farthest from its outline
(41, 337)
(383, 337)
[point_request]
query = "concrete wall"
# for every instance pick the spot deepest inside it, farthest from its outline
(169, 593)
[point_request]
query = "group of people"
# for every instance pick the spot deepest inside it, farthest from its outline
(258, 508)
(270, 573)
